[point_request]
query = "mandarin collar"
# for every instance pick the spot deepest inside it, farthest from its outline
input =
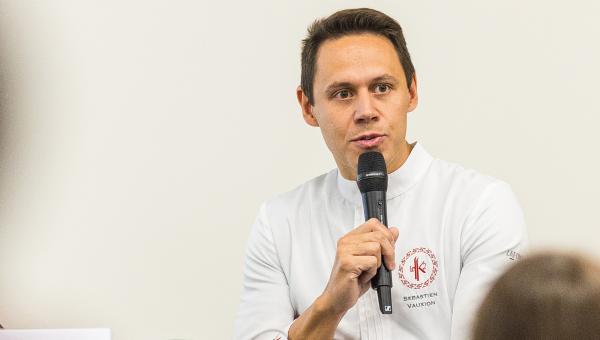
(399, 181)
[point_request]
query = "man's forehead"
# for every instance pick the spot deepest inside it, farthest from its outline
(356, 59)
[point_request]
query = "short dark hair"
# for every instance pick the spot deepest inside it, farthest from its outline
(343, 23)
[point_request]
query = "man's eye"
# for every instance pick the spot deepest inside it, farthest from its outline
(382, 88)
(343, 94)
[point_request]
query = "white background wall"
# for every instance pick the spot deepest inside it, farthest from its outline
(138, 139)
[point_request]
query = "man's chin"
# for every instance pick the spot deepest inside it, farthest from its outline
(351, 168)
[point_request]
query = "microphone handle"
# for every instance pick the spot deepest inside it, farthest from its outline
(374, 205)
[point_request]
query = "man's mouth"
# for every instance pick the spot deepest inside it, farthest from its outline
(368, 141)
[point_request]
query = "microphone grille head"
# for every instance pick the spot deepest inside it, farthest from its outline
(372, 172)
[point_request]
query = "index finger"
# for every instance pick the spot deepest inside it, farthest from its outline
(373, 224)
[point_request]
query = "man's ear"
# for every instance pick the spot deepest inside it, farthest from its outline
(412, 92)
(307, 109)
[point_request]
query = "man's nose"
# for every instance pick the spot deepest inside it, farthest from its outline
(365, 111)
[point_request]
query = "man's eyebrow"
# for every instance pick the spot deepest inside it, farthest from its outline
(338, 85)
(344, 84)
(385, 77)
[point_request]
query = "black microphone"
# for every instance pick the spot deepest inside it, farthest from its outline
(372, 181)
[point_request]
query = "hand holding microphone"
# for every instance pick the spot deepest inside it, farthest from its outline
(358, 256)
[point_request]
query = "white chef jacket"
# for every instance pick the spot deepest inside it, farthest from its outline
(458, 230)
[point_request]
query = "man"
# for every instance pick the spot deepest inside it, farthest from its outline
(311, 255)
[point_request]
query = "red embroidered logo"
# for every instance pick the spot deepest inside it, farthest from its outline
(418, 268)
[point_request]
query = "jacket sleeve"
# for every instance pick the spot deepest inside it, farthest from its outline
(493, 236)
(265, 310)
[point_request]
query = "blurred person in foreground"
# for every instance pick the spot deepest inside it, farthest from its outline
(311, 255)
(552, 296)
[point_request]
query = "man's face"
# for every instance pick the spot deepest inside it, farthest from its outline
(361, 100)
